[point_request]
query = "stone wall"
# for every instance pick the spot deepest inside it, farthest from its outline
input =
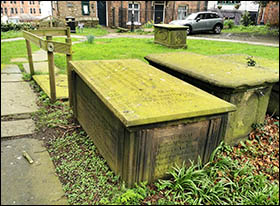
(63, 9)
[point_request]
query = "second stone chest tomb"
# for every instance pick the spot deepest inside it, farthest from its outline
(246, 87)
(143, 120)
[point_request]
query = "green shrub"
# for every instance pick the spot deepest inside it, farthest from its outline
(16, 27)
(229, 23)
(90, 38)
(246, 19)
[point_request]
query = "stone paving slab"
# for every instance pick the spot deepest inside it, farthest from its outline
(28, 184)
(19, 60)
(11, 78)
(39, 67)
(39, 56)
(17, 98)
(10, 69)
(18, 127)
(61, 83)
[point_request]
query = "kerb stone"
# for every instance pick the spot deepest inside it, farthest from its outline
(18, 127)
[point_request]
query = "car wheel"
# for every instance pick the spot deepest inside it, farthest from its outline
(189, 30)
(217, 29)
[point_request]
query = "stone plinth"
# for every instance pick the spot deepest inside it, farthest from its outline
(143, 120)
(170, 35)
(248, 88)
(273, 105)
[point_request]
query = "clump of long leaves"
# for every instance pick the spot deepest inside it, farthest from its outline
(221, 181)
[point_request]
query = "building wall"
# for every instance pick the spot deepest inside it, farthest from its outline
(269, 14)
(46, 8)
(115, 18)
(18, 5)
(62, 9)
(245, 5)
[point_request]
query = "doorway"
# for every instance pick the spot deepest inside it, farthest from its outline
(158, 13)
(101, 11)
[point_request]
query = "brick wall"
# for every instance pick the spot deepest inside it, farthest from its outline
(20, 7)
(147, 11)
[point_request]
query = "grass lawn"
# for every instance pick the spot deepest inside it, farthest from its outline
(123, 48)
(260, 30)
(10, 34)
(99, 31)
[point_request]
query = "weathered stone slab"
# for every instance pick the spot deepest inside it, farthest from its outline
(11, 78)
(10, 69)
(142, 120)
(246, 87)
(40, 55)
(17, 98)
(28, 184)
(19, 60)
(61, 83)
(42, 67)
(263, 63)
(18, 127)
(170, 35)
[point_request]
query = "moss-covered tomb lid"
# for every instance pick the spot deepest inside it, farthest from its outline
(138, 93)
(215, 71)
(262, 63)
(170, 26)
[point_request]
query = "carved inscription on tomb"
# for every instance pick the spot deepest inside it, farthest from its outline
(161, 35)
(177, 144)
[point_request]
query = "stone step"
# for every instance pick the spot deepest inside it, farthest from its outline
(17, 98)
(18, 127)
(28, 184)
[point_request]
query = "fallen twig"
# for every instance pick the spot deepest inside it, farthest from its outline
(27, 156)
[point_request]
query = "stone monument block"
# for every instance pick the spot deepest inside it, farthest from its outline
(142, 120)
(246, 87)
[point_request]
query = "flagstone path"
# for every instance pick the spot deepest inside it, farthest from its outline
(23, 183)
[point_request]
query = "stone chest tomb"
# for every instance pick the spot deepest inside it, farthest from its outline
(246, 87)
(143, 120)
(262, 63)
(170, 35)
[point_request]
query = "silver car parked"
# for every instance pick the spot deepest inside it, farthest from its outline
(202, 21)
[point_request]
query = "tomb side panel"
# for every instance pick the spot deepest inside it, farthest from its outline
(99, 122)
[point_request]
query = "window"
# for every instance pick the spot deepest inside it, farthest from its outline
(16, 10)
(11, 2)
(33, 2)
(12, 10)
(85, 8)
(15, 2)
(30, 2)
(34, 11)
(30, 10)
(212, 16)
(228, 2)
(2, 10)
(21, 10)
(4, 2)
(40, 11)
(6, 11)
(136, 9)
(22, 2)
(182, 12)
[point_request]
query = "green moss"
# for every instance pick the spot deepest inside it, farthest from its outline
(140, 94)
(217, 72)
(61, 85)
